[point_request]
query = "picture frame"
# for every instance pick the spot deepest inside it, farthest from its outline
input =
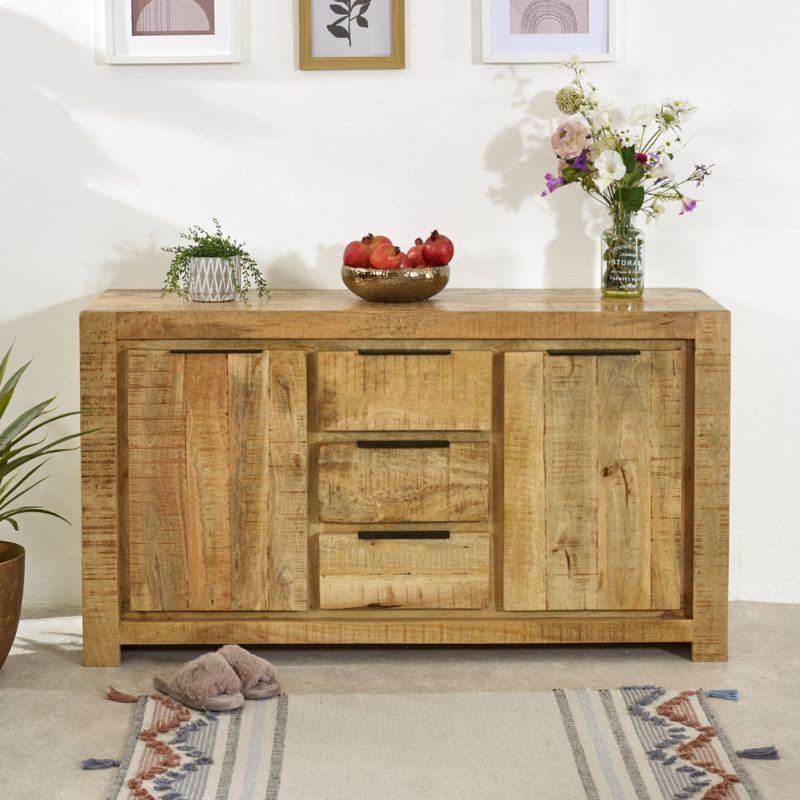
(548, 31)
(173, 31)
(352, 34)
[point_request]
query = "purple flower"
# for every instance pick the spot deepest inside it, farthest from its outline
(687, 204)
(553, 182)
(581, 162)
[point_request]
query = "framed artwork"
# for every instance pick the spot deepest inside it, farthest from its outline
(173, 31)
(530, 31)
(352, 34)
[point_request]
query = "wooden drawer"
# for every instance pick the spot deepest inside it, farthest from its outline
(396, 570)
(404, 481)
(396, 391)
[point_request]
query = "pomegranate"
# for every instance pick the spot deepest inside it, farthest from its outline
(415, 254)
(438, 250)
(374, 241)
(387, 256)
(357, 254)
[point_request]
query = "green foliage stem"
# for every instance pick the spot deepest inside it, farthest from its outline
(203, 244)
(19, 452)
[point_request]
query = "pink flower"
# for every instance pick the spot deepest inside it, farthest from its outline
(570, 139)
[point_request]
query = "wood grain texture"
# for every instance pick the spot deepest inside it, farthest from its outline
(216, 465)
(355, 629)
(711, 482)
(524, 518)
(404, 392)
(669, 531)
(451, 573)
(623, 538)
(287, 584)
(456, 314)
(570, 465)
(603, 456)
(248, 491)
(448, 484)
(265, 441)
(99, 522)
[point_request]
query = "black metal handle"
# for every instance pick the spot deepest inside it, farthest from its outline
(378, 535)
(621, 352)
(215, 352)
(405, 352)
(401, 444)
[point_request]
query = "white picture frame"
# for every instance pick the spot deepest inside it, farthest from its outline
(222, 44)
(501, 46)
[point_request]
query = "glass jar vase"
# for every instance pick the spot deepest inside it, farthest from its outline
(622, 257)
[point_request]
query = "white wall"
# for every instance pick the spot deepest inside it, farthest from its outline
(101, 165)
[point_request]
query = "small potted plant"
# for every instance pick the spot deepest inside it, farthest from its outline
(212, 267)
(23, 451)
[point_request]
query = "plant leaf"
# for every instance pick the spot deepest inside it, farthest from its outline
(361, 3)
(364, 7)
(4, 364)
(629, 158)
(23, 421)
(339, 10)
(362, 22)
(15, 512)
(8, 389)
(632, 197)
(338, 31)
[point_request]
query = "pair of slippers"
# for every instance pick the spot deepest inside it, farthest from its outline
(220, 681)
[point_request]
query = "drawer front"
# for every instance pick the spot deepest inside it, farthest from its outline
(450, 572)
(369, 391)
(391, 482)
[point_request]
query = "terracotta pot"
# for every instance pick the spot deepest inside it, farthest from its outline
(12, 576)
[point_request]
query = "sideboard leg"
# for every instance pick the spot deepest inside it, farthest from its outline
(101, 646)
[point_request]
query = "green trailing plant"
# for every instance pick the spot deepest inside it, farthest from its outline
(202, 244)
(24, 449)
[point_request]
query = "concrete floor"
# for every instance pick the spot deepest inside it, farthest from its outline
(53, 713)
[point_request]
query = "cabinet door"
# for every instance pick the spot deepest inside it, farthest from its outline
(594, 463)
(216, 483)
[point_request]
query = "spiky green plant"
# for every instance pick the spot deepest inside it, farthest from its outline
(19, 452)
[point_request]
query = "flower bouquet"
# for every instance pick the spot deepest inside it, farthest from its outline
(627, 168)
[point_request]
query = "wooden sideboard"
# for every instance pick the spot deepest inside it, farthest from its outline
(487, 467)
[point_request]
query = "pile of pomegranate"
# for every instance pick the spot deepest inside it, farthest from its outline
(378, 252)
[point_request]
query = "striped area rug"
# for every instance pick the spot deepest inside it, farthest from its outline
(638, 742)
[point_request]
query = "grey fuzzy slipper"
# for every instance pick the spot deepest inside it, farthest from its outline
(206, 683)
(257, 675)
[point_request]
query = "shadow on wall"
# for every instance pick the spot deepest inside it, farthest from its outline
(54, 174)
(519, 156)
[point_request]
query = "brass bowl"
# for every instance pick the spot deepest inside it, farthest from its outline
(395, 285)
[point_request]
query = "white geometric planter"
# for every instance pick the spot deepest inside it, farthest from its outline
(210, 278)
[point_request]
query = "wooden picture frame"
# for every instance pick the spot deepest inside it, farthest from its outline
(385, 49)
(504, 44)
(152, 42)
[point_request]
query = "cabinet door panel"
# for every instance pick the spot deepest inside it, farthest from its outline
(593, 478)
(211, 526)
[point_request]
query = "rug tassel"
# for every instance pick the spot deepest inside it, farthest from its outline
(120, 697)
(723, 694)
(763, 753)
(99, 763)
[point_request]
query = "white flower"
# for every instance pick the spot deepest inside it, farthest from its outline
(625, 137)
(572, 61)
(610, 167)
(599, 117)
(680, 105)
(644, 114)
(671, 144)
(660, 169)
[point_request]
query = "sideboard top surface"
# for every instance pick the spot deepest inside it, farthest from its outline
(457, 314)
